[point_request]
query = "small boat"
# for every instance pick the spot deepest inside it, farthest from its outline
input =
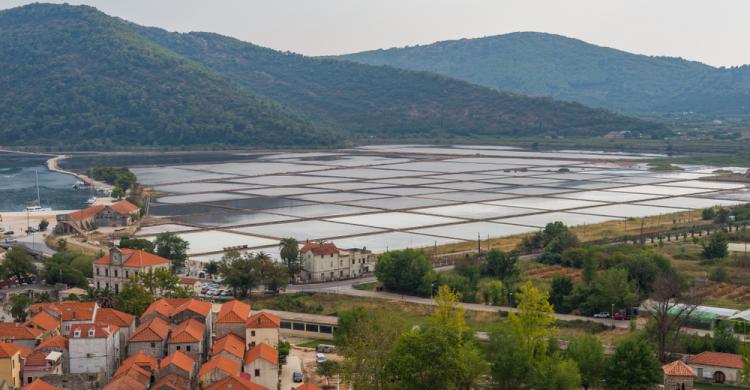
(37, 208)
(91, 200)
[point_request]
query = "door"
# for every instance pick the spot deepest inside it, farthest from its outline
(719, 377)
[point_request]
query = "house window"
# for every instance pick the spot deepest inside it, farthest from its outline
(98, 286)
(29, 380)
(117, 288)
(257, 372)
(298, 326)
(115, 273)
(106, 272)
(700, 372)
(326, 329)
(286, 325)
(153, 345)
(311, 327)
(97, 270)
(127, 274)
(91, 333)
(178, 347)
(252, 333)
(187, 348)
(77, 333)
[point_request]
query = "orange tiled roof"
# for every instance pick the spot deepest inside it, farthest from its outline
(171, 382)
(188, 281)
(308, 386)
(233, 312)
(114, 317)
(142, 360)
(39, 385)
(86, 213)
(230, 343)
(57, 342)
(263, 320)
(124, 208)
(169, 307)
(319, 249)
(36, 358)
(134, 258)
(134, 371)
(180, 360)
(235, 383)
(155, 329)
(263, 351)
(719, 359)
(16, 331)
(44, 320)
(67, 310)
(100, 330)
(188, 331)
(677, 368)
(125, 382)
(9, 349)
(222, 363)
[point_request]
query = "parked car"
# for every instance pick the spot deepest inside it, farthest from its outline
(620, 316)
(226, 293)
(10, 233)
(320, 358)
(603, 314)
(297, 377)
(326, 348)
(11, 241)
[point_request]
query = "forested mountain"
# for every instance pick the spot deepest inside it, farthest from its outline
(72, 75)
(568, 69)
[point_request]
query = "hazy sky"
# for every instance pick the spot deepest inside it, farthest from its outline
(711, 31)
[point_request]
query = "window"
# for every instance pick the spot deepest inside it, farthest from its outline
(252, 333)
(29, 380)
(127, 274)
(91, 333)
(117, 288)
(153, 345)
(286, 325)
(311, 328)
(106, 272)
(115, 273)
(98, 285)
(326, 329)
(353, 261)
(257, 372)
(187, 348)
(298, 326)
(178, 348)
(77, 333)
(97, 270)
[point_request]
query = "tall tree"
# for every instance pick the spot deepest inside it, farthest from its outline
(134, 298)
(19, 307)
(534, 321)
(18, 264)
(633, 366)
(240, 272)
(289, 252)
(588, 354)
(212, 268)
(562, 287)
(555, 373)
(403, 270)
(170, 246)
(501, 265)
(717, 246)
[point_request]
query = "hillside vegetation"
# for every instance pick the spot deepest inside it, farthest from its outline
(539, 64)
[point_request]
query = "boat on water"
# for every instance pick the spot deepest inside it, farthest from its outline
(37, 208)
(91, 200)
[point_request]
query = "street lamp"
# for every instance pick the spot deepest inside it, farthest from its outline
(613, 316)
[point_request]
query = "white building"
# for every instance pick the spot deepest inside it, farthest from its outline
(262, 327)
(324, 262)
(94, 348)
(262, 363)
(115, 269)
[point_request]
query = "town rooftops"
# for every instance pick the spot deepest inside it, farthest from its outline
(16, 331)
(90, 331)
(134, 258)
(130, 380)
(67, 310)
(677, 368)
(263, 319)
(171, 382)
(40, 385)
(132, 370)
(263, 351)
(233, 312)
(43, 321)
(180, 360)
(718, 359)
(221, 363)
(188, 331)
(9, 349)
(40, 358)
(155, 329)
(320, 249)
(57, 342)
(114, 317)
(231, 344)
(169, 307)
(235, 383)
(142, 360)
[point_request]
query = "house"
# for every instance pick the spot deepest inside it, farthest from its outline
(236, 383)
(150, 338)
(677, 376)
(45, 322)
(135, 372)
(28, 336)
(188, 337)
(178, 363)
(10, 363)
(262, 327)
(231, 318)
(177, 310)
(118, 214)
(716, 367)
(40, 363)
(192, 284)
(325, 262)
(57, 344)
(94, 347)
(171, 382)
(40, 385)
(124, 322)
(115, 269)
(216, 369)
(134, 378)
(230, 346)
(262, 362)
(68, 312)
(146, 362)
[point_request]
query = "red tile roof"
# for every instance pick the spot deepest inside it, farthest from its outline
(188, 331)
(15, 331)
(171, 382)
(43, 321)
(169, 307)
(263, 320)
(36, 358)
(719, 359)
(155, 329)
(40, 385)
(124, 208)
(9, 349)
(235, 383)
(86, 213)
(180, 360)
(126, 382)
(57, 342)
(188, 281)
(114, 317)
(677, 368)
(232, 344)
(68, 310)
(101, 330)
(308, 386)
(134, 371)
(263, 351)
(135, 258)
(222, 363)
(233, 312)
(319, 249)
(141, 360)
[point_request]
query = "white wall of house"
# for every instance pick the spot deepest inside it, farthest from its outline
(263, 373)
(90, 355)
(706, 373)
(254, 337)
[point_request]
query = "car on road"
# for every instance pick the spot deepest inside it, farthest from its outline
(621, 316)
(10, 233)
(297, 377)
(603, 314)
(11, 241)
(320, 358)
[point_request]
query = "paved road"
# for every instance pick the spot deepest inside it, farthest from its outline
(35, 242)
(292, 364)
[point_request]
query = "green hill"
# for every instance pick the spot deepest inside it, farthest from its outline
(568, 69)
(73, 76)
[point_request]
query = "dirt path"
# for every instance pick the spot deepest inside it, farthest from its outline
(54, 166)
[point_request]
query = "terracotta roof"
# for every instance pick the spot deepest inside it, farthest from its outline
(171, 382)
(67, 310)
(188, 331)
(36, 358)
(319, 249)
(134, 371)
(86, 213)
(114, 317)
(169, 307)
(44, 321)
(134, 258)
(188, 281)
(677, 368)
(40, 385)
(57, 342)
(155, 329)
(308, 386)
(263, 351)
(16, 331)
(101, 330)
(142, 360)
(719, 359)
(233, 312)
(125, 382)
(180, 360)
(263, 320)
(124, 207)
(231, 344)
(235, 383)
(222, 363)
(9, 349)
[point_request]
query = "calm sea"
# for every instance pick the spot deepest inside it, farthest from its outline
(18, 189)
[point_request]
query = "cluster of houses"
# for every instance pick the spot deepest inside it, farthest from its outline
(707, 367)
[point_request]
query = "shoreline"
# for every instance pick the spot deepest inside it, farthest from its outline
(52, 166)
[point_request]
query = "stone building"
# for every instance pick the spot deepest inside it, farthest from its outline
(115, 269)
(678, 376)
(118, 214)
(325, 262)
(231, 319)
(716, 367)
